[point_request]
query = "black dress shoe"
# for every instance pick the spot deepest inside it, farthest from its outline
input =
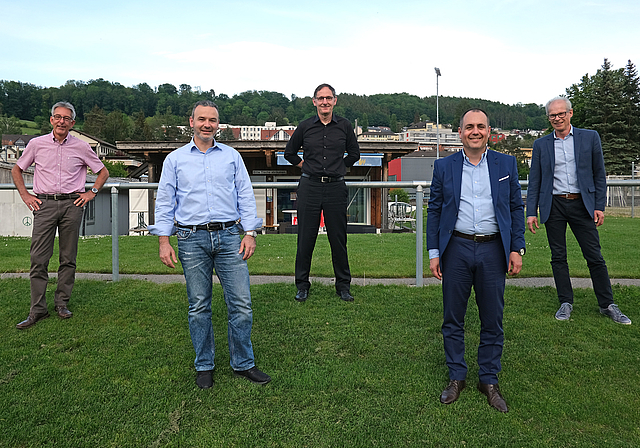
(204, 379)
(30, 321)
(254, 375)
(492, 391)
(302, 295)
(452, 391)
(63, 312)
(345, 295)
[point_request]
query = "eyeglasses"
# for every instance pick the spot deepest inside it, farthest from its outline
(558, 115)
(325, 98)
(60, 117)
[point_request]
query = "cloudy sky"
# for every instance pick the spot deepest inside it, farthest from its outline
(503, 50)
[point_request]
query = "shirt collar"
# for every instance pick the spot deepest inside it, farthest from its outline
(333, 118)
(55, 140)
(192, 146)
(569, 134)
(482, 159)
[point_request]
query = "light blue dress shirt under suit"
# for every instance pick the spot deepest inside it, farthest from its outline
(198, 188)
(565, 176)
(476, 215)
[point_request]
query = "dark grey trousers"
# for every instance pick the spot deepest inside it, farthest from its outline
(64, 217)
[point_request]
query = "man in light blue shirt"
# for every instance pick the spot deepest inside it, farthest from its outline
(568, 185)
(205, 197)
(475, 234)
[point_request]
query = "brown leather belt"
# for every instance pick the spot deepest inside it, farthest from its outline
(476, 238)
(568, 195)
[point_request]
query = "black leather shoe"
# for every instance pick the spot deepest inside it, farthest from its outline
(492, 391)
(345, 295)
(63, 312)
(30, 321)
(204, 379)
(302, 295)
(452, 391)
(254, 375)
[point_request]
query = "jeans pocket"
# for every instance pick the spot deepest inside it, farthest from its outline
(234, 230)
(184, 234)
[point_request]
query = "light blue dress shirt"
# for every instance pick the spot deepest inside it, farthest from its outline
(198, 188)
(476, 215)
(565, 173)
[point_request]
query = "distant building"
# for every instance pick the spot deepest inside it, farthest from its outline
(13, 146)
(424, 133)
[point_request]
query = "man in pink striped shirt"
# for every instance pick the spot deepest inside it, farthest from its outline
(60, 174)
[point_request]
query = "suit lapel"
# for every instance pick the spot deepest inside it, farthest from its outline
(493, 166)
(551, 154)
(577, 137)
(456, 175)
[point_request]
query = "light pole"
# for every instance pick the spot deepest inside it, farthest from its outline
(437, 115)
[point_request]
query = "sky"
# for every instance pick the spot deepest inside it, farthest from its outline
(511, 51)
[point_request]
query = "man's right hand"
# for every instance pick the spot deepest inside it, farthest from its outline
(434, 265)
(531, 221)
(167, 253)
(31, 201)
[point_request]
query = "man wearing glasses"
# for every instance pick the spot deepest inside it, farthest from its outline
(60, 174)
(567, 182)
(323, 139)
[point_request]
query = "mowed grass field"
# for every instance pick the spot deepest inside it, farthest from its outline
(363, 374)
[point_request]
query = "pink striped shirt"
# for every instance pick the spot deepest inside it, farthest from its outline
(59, 167)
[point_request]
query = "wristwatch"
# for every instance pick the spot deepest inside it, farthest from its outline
(94, 190)
(522, 251)
(252, 233)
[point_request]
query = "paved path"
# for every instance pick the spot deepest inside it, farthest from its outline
(263, 279)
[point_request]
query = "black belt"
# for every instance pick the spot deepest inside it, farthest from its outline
(210, 226)
(58, 197)
(323, 178)
(568, 195)
(476, 238)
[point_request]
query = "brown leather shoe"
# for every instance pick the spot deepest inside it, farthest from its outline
(452, 391)
(492, 391)
(63, 312)
(30, 321)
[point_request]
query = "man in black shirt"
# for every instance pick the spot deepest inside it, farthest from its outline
(323, 140)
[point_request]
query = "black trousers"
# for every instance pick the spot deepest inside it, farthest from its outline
(315, 197)
(573, 212)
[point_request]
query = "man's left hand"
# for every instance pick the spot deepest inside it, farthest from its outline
(84, 199)
(598, 217)
(248, 246)
(515, 263)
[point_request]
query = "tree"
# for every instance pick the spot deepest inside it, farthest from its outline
(393, 123)
(116, 169)
(401, 194)
(226, 135)
(10, 125)
(365, 123)
(604, 102)
(94, 122)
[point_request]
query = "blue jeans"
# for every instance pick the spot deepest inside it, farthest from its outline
(200, 252)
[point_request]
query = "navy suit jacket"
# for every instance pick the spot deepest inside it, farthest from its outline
(591, 174)
(444, 201)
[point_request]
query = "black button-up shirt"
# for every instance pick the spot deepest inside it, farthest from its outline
(323, 146)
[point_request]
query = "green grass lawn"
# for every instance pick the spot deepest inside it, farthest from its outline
(370, 255)
(363, 374)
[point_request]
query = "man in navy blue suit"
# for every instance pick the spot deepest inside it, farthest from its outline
(475, 234)
(567, 182)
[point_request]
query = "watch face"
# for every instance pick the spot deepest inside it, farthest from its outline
(522, 251)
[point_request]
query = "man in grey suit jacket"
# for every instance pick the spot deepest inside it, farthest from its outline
(567, 182)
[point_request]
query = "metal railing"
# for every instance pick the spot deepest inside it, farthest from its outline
(418, 185)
